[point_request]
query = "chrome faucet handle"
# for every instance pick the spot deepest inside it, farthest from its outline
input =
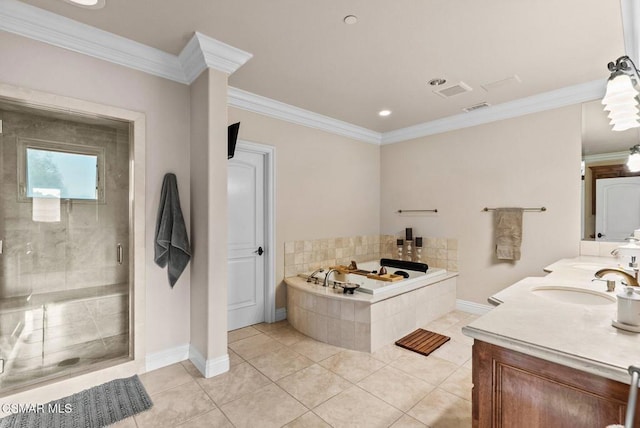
(313, 275)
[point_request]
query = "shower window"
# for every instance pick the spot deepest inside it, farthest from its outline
(49, 169)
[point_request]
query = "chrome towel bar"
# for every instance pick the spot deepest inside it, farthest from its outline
(417, 211)
(524, 209)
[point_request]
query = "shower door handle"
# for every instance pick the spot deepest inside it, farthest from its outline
(119, 254)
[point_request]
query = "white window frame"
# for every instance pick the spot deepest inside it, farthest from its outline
(56, 146)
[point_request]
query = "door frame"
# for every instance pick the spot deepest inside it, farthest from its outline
(269, 155)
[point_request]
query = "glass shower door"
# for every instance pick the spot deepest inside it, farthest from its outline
(64, 223)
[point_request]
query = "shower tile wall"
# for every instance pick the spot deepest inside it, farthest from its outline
(80, 250)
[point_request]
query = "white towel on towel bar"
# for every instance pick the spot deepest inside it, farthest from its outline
(508, 233)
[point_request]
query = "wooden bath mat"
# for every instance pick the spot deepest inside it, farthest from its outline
(422, 341)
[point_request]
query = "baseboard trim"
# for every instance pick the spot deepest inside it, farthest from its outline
(211, 367)
(281, 314)
(472, 307)
(167, 357)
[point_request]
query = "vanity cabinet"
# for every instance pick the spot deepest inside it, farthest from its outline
(512, 389)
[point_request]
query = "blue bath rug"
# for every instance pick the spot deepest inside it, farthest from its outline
(96, 407)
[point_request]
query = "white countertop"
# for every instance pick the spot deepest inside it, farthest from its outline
(574, 335)
(337, 293)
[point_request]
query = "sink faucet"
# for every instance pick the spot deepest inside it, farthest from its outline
(631, 280)
(326, 278)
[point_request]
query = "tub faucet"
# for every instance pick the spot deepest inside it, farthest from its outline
(326, 278)
(631, 280)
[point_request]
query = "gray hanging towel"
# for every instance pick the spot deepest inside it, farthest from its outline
(508, 233)
(172, 243)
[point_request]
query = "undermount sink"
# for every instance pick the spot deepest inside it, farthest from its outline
(578, 296)
(586, 266)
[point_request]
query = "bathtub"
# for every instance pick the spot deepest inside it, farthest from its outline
(377, 315)
(372, 286)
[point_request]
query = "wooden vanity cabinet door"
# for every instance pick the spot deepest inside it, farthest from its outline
(516, 390)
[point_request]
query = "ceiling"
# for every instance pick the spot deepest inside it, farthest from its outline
(306, 56)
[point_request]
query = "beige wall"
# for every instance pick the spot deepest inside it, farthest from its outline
(209, 214)
(38, 66)
(327, 186)
(217, 215)
(530, 161)
(199, 213)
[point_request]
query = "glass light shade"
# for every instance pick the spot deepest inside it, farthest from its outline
(623, 126)
(88, 4)
(623, 109)
(620, 100)
(619, 86)
(634, 162)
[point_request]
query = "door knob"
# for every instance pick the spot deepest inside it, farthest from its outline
(259, 251)
(600, 235)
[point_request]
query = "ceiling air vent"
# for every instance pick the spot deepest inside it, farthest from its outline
(451, 91)
(476, 106)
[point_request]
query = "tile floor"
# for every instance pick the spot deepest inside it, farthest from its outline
(281, 378)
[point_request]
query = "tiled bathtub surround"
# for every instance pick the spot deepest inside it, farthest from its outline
(362, 325)
(440, 253)
(306, 256)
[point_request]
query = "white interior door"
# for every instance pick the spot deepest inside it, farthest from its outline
(617, 208)
(246, 267)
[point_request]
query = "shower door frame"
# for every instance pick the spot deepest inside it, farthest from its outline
(137, 285)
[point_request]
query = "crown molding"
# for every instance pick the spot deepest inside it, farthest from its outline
(38, 24)
(606, 156)
(221, 56)
(533, 104)
(203, 52)
(200, 53)
(266, 106)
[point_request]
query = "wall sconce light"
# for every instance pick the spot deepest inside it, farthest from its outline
(633, 164)
(620, 99)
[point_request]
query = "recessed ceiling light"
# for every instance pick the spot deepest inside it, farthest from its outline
(437, 81)
(350, 19)
(89, 4)
(384, 113)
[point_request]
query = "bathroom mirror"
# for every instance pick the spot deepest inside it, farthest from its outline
(604, 155)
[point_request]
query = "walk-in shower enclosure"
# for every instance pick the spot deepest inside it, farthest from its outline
(65, 233)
